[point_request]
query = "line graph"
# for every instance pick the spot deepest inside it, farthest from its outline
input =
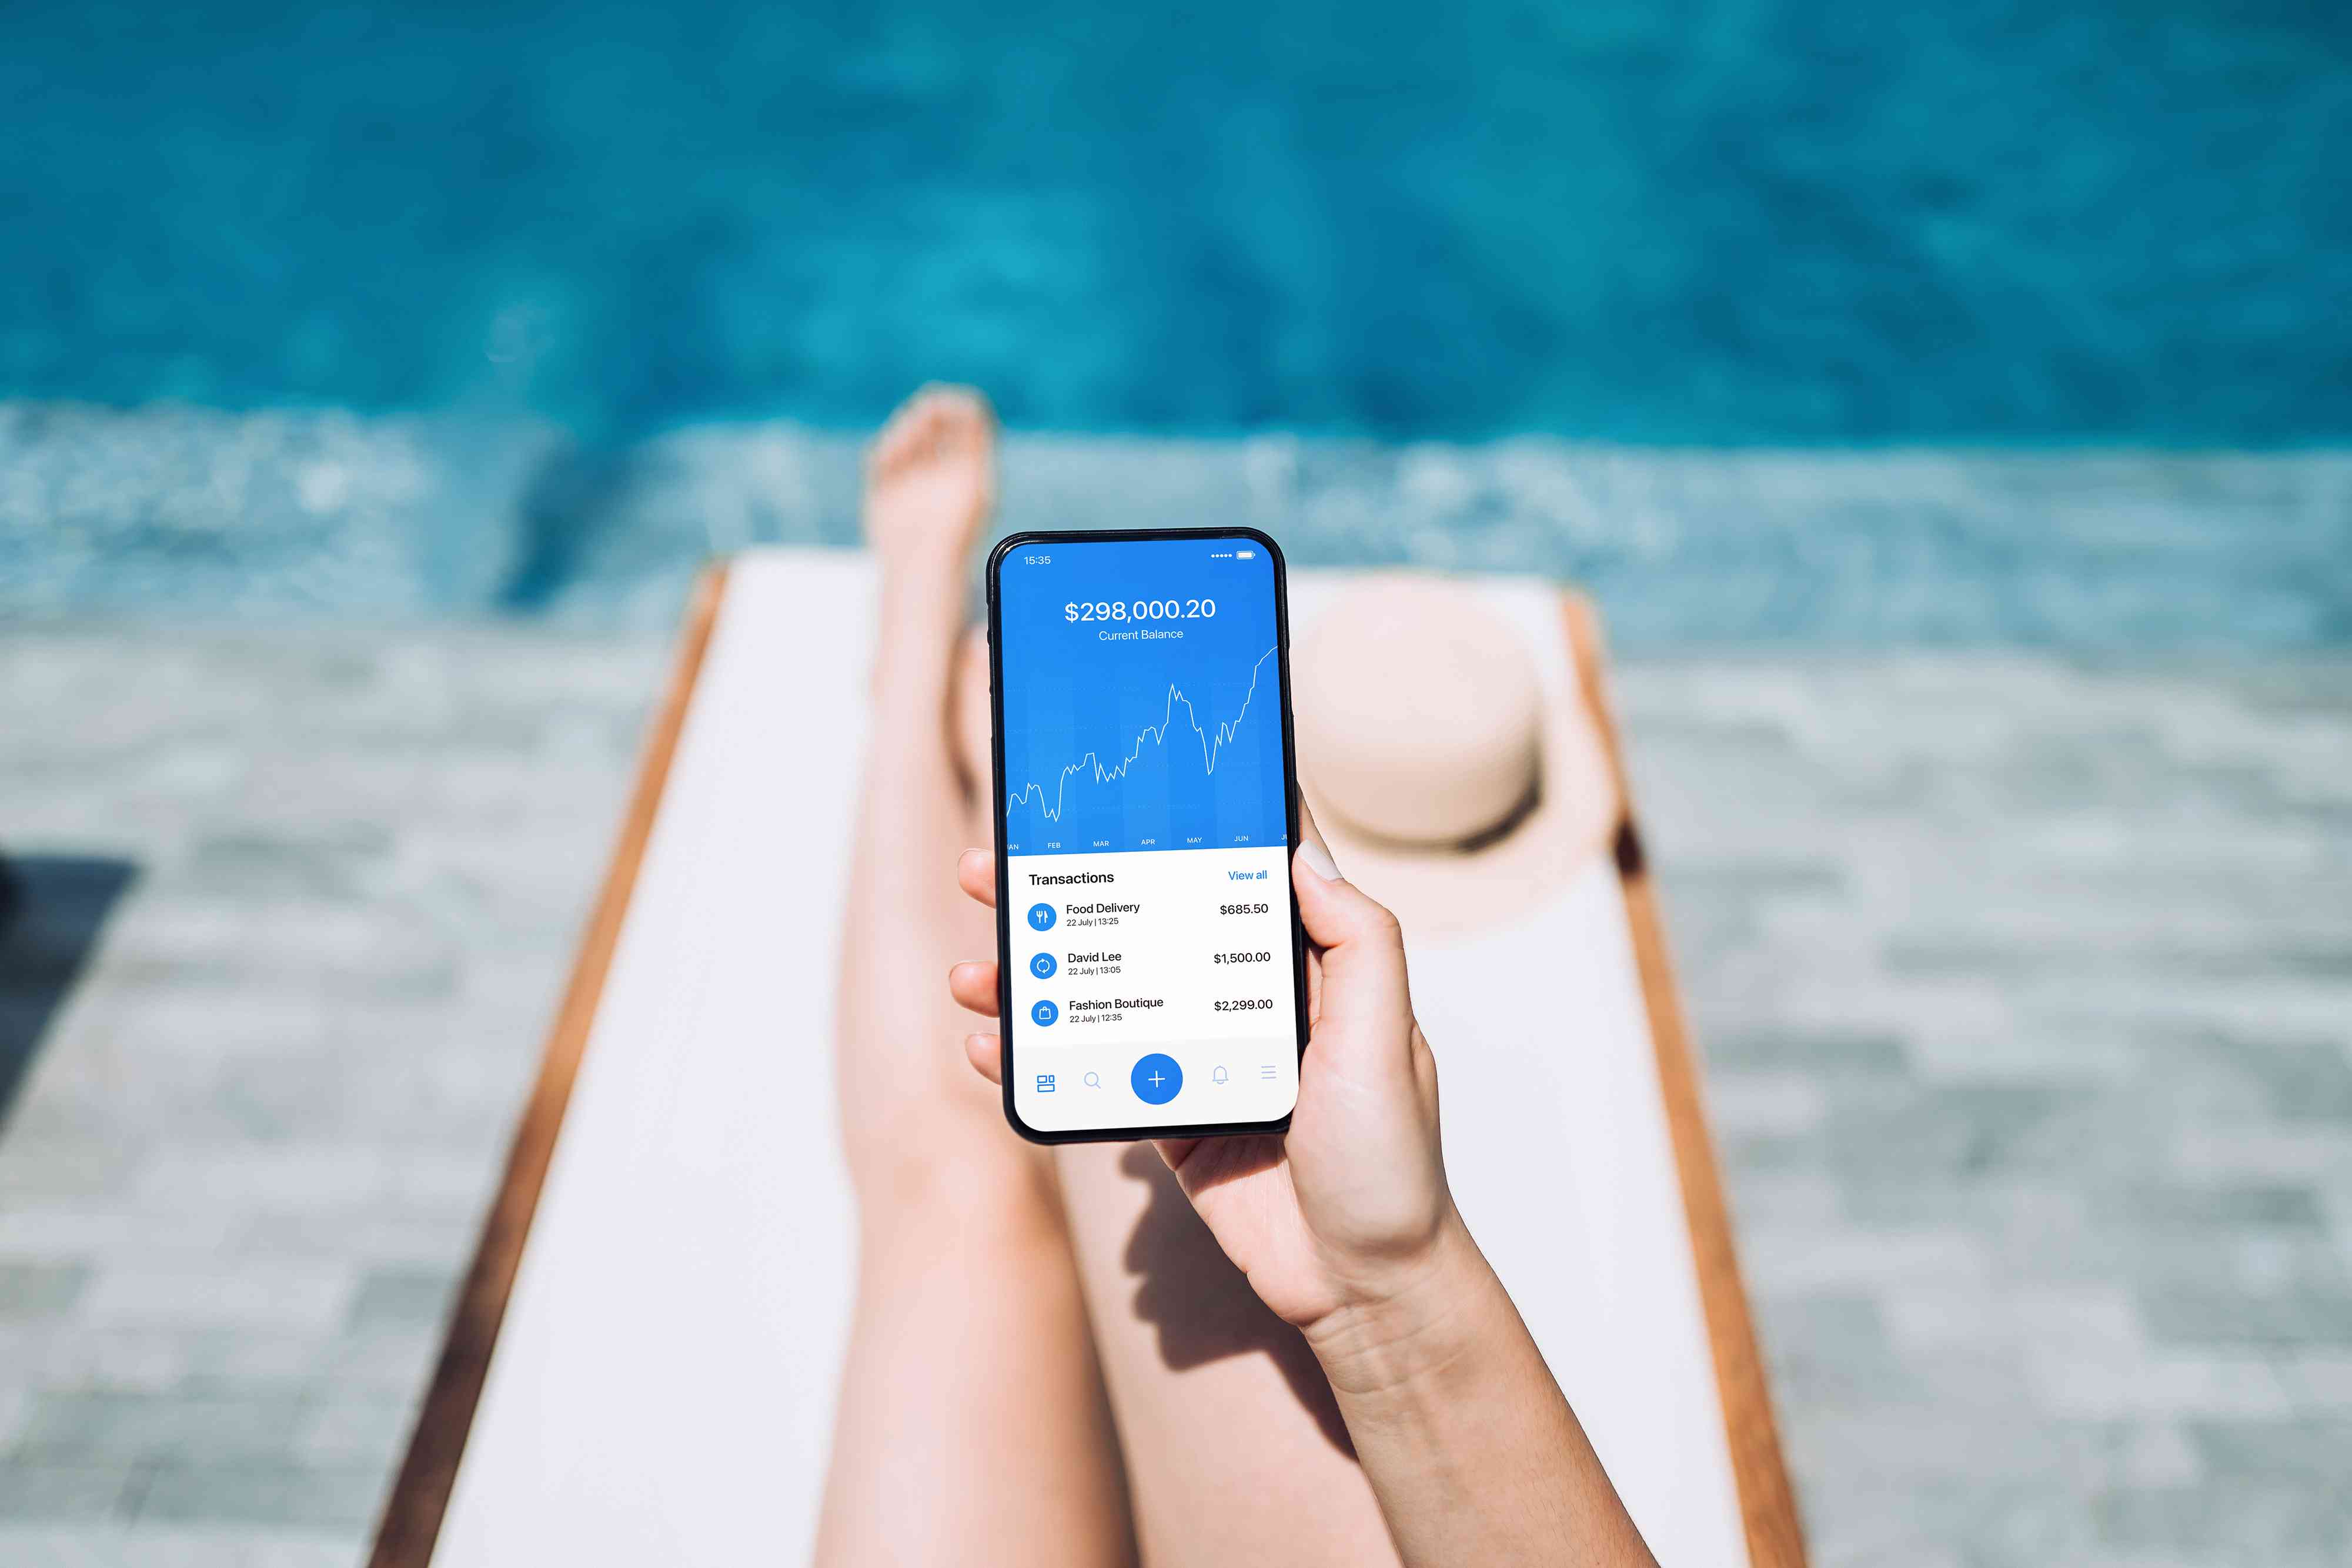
(1214, 739)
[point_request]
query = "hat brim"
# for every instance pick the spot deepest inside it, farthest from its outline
(1439, 891)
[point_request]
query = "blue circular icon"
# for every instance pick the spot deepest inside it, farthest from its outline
(1044, 1014)
(1040, 917)
(1156, 1079)
(1043, 966)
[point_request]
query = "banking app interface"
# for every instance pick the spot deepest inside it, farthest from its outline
(1146, 835)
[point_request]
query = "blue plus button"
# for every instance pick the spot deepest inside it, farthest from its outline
(1156, 1079)
(1041, 917)
(1043, 966)
(1044, 1013)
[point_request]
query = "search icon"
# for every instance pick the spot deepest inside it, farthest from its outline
(1094, 1079)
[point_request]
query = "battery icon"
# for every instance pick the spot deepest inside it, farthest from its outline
(1245, 555)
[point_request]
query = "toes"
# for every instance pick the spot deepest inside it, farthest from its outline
(899, 439)
(935, 422)
(964, 420)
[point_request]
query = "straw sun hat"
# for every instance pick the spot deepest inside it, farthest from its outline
(1452, 780)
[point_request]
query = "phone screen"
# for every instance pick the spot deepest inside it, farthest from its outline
(1152, 974)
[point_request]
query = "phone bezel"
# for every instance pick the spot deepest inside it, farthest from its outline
(996, 757)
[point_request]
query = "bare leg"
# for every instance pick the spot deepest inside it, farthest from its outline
(1234, 1446)
(972, 1426)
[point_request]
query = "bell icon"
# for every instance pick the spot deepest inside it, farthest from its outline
(1219, 1075)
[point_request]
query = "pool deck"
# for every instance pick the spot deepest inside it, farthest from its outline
(2024, 987)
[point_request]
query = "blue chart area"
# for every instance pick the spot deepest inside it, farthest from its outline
(1142, 698)
(1078, 793)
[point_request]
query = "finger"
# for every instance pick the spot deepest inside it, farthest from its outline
(986, 1055)
(976, 875)
(1311, 847)
(974, 986)
(1175, 1152)
(1311, 835)
(1363, 949)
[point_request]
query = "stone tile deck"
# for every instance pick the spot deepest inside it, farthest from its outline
(2025, 989)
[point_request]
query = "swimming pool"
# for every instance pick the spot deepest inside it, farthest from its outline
(1742, 221)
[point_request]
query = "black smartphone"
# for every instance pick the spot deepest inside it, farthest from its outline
(1153, 974)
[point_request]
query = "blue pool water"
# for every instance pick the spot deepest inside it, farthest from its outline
(1729, 222)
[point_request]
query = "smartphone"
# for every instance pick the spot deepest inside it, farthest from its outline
(1153, 975)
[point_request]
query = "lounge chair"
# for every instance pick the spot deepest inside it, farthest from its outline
(642, 1365)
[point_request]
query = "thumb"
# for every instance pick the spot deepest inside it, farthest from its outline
(1363, 948)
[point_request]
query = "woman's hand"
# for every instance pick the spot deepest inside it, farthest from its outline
(1349, 1210)
(1346, 1229)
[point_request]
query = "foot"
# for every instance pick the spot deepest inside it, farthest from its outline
(930, 482)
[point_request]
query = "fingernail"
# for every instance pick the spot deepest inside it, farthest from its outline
(1318, 861)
